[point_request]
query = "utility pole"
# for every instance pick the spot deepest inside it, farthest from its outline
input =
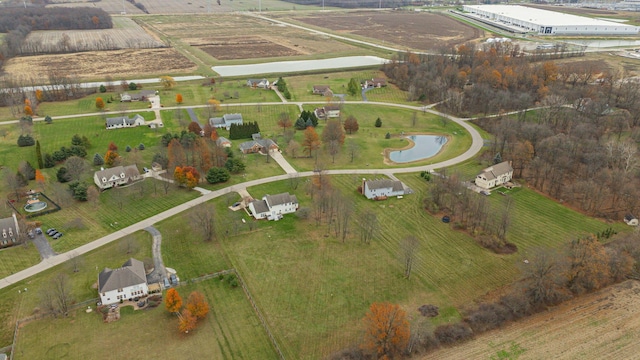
(259, 5)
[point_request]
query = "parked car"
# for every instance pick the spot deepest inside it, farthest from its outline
(165, 282)
(237, 204)
(485, 192)
(30, 234)
(57, 236)
(174, 279)
(38, 231)
(51, 231)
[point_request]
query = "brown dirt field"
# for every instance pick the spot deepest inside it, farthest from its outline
(603, 325)
(414, 30)
(237, 36)
(98, 64)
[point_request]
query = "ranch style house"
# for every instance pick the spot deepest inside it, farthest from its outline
(226, 120)
(127, 282)
(124, 121)
(382, 189)
(258, 83)
(273, 207)
(495, 175)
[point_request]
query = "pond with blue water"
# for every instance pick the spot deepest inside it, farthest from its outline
(424, 147)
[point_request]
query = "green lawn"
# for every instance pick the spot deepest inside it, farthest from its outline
(230, 331)
(17, 258)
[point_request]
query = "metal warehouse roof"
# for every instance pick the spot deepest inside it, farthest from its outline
(544, 17)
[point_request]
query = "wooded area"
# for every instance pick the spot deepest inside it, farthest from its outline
(358, 3)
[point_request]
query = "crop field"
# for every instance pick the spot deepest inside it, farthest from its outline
(97, 65)
(237, 37)
(125, 35)
(412, 30)
(189, 7)
(603, 325)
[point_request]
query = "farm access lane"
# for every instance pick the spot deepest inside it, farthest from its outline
(61, 258)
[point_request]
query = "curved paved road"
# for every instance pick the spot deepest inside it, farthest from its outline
(61, 258)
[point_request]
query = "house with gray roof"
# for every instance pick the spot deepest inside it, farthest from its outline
(273, 207)
(382, 188)
(142, 95)
(258, 145)
(495, 175)
(116, 176)
(127, 282)
(120, 122)
(323, 90)
(226, 120)
(258, 83)
(9, 229)
(223, 141)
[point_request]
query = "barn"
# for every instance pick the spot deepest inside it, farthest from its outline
(518, 18)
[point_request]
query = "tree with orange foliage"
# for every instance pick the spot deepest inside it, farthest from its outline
(39, 95)
(386, 331)
(111, 158)
(213, 105)
(187, 176)
(99, 103)
(40, 178)
(311, 140)
(173, 301)
(588, 265)
(27, 110)
(179, 98)
(214, 134)
(197, 305)
(112, 146)
(187, 321)
(178, 175)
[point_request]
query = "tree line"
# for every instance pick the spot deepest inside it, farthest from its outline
(359, 3)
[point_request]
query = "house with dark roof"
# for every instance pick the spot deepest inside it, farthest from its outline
(120, 122)
(225, 121)
(9, 230)
(116, 176)
(631, 220)
(142, 95)
(273, 207)
(258, 145)
(374, 83)
(382, 188)
(258, 83)
(127, 282)
(495, 175)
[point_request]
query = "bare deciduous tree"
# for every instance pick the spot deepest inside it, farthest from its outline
(408, 249)
(203, 220)
(368, 222)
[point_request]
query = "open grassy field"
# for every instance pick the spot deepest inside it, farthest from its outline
(596, 326)
(371, 142)
(230, 331)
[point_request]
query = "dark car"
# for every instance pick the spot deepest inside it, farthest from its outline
(57, 236)
(173, 278)
(38, 231)
(51, 231)
(54, 234)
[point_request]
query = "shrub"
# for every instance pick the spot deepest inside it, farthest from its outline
(103, 89)
(79, 190)
(387, 136)
(303, 213)
(48, 119)
(453, 333)
(217, 175)
(62, 175)
(49, 162)
(133, 86)
(141, 146)
(26, 140)
(128, 148)
(232, 280)
(378, 123)
(234, 165)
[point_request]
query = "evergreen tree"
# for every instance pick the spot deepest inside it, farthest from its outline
(141, 146)
(378, 123)
(62, 175)
(128, 148)
(39, 155)
(48, 161)
(353, 87)
(98, 160)
(48, 119)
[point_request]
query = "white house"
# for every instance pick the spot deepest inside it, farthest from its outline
(326, 112)
(272, 207)
(226, 120)
(258, 83)
(115, 176)
(124, 121)
(631, 220)
(495, 175)
(381, 189)
(127, 282)
(10, 230)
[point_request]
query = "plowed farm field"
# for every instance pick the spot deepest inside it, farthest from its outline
(413, 30)
(236, 36)
(603, 325)
(118, 64)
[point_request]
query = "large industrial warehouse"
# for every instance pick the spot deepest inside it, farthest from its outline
(543, 22)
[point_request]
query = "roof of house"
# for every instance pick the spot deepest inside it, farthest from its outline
(629, 217)
(492, 172)
(331, 107)
(221, 140)
(7, 223)
(231, 117)
(131, 273)
(395, 185)
(260, 206)
(281, 199)
(320, 87)
(263, 143)
(256, 81)
(120, 119)
(129, 171)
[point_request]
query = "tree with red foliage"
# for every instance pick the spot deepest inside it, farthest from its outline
(197, 305)
(194, 127)
(386, 331)
(113, 147)
(187, 321)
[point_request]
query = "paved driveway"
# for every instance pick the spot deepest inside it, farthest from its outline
(159, 272)
(44, 248)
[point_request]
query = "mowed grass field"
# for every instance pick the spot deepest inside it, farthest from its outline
(230, 331)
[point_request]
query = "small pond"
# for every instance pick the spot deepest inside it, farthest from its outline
(424, 146)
